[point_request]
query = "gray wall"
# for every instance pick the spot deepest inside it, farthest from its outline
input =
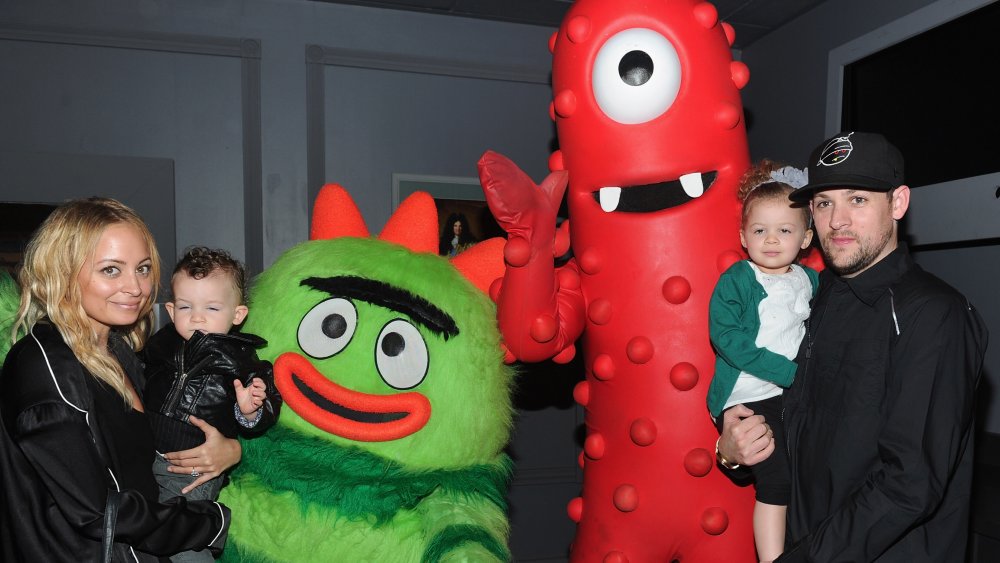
(787, 101)
(119, 77)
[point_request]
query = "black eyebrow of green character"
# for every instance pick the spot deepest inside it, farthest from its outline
(388, 296)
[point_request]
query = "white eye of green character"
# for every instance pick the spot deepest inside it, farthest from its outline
(401, 355)
(328, 328)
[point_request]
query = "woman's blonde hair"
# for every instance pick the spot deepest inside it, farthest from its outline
(53, 259)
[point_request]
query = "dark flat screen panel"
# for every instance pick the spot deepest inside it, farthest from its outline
(144, 184)
(933, 96)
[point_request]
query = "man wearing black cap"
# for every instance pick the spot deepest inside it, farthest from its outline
(879, 418)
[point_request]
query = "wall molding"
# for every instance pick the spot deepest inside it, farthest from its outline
(318, 57)
(425, 65)
(248, 50)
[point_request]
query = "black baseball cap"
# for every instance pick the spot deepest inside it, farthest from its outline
(853, 159)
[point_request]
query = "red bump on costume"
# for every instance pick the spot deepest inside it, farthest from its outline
(516, 252)
(604, 367)
(581, 393)
(568, 279)
(556, 161)
(508, 356)
(615, 557)
(575, 509)
(580, 459)
(565, 103)
(676, 290)
(566, 355)
(740, 73)
(726, 259)
(698, 462)
(626, 498)
(730, 33)
(706, 14)
(714, 520)
(728, 116)
(594, 446)
(639, 350)
(642, 431)
(578, 29)
(590, 262)
(599, 311)
(552, 113)
(544, 328)
(552, 41)
(683, 376)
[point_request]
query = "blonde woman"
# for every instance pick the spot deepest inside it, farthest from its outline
(76, 449)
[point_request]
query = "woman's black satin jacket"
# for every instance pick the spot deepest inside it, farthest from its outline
(58, 468)
(195, 377)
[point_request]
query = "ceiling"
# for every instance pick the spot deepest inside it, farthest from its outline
(752, 19)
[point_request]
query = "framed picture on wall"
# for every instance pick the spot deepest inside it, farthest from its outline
(18, 221)
(459, 200)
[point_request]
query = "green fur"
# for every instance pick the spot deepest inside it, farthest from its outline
(453, 536)
(303, 494)
(359, 484)
(10, 299)
(275, 527)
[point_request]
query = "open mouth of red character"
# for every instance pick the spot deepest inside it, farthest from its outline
(647, 198)
(344, 412)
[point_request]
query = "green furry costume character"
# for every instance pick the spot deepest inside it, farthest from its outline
(397, 399)
(10, 299)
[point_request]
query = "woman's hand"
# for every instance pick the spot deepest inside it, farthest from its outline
(208, 460)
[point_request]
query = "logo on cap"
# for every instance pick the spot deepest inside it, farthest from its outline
(836, 151)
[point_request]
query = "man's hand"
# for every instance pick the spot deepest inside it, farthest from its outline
(746, 439)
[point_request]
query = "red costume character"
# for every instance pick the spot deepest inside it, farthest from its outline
(647, 106)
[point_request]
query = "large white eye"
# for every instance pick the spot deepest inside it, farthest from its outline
(328, 328)
(637, 75)
(401, 355)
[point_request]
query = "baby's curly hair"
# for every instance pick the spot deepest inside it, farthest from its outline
(758, 185)
(200, 261)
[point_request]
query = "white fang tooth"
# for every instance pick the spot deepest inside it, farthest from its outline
(610, 198)
(692, 184)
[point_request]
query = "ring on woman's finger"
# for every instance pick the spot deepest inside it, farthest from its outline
(194, 472)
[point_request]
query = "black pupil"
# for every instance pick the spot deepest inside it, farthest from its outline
(334, 326)
(393, 344)
(635, 68)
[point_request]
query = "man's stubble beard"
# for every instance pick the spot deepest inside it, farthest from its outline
(865, 256)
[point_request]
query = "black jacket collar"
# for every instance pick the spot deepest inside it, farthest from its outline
(869, 285)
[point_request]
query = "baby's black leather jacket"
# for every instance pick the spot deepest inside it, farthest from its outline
(195, 377)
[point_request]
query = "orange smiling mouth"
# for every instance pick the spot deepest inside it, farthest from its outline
(344, 412)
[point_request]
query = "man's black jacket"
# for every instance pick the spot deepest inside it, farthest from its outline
(879, 419)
